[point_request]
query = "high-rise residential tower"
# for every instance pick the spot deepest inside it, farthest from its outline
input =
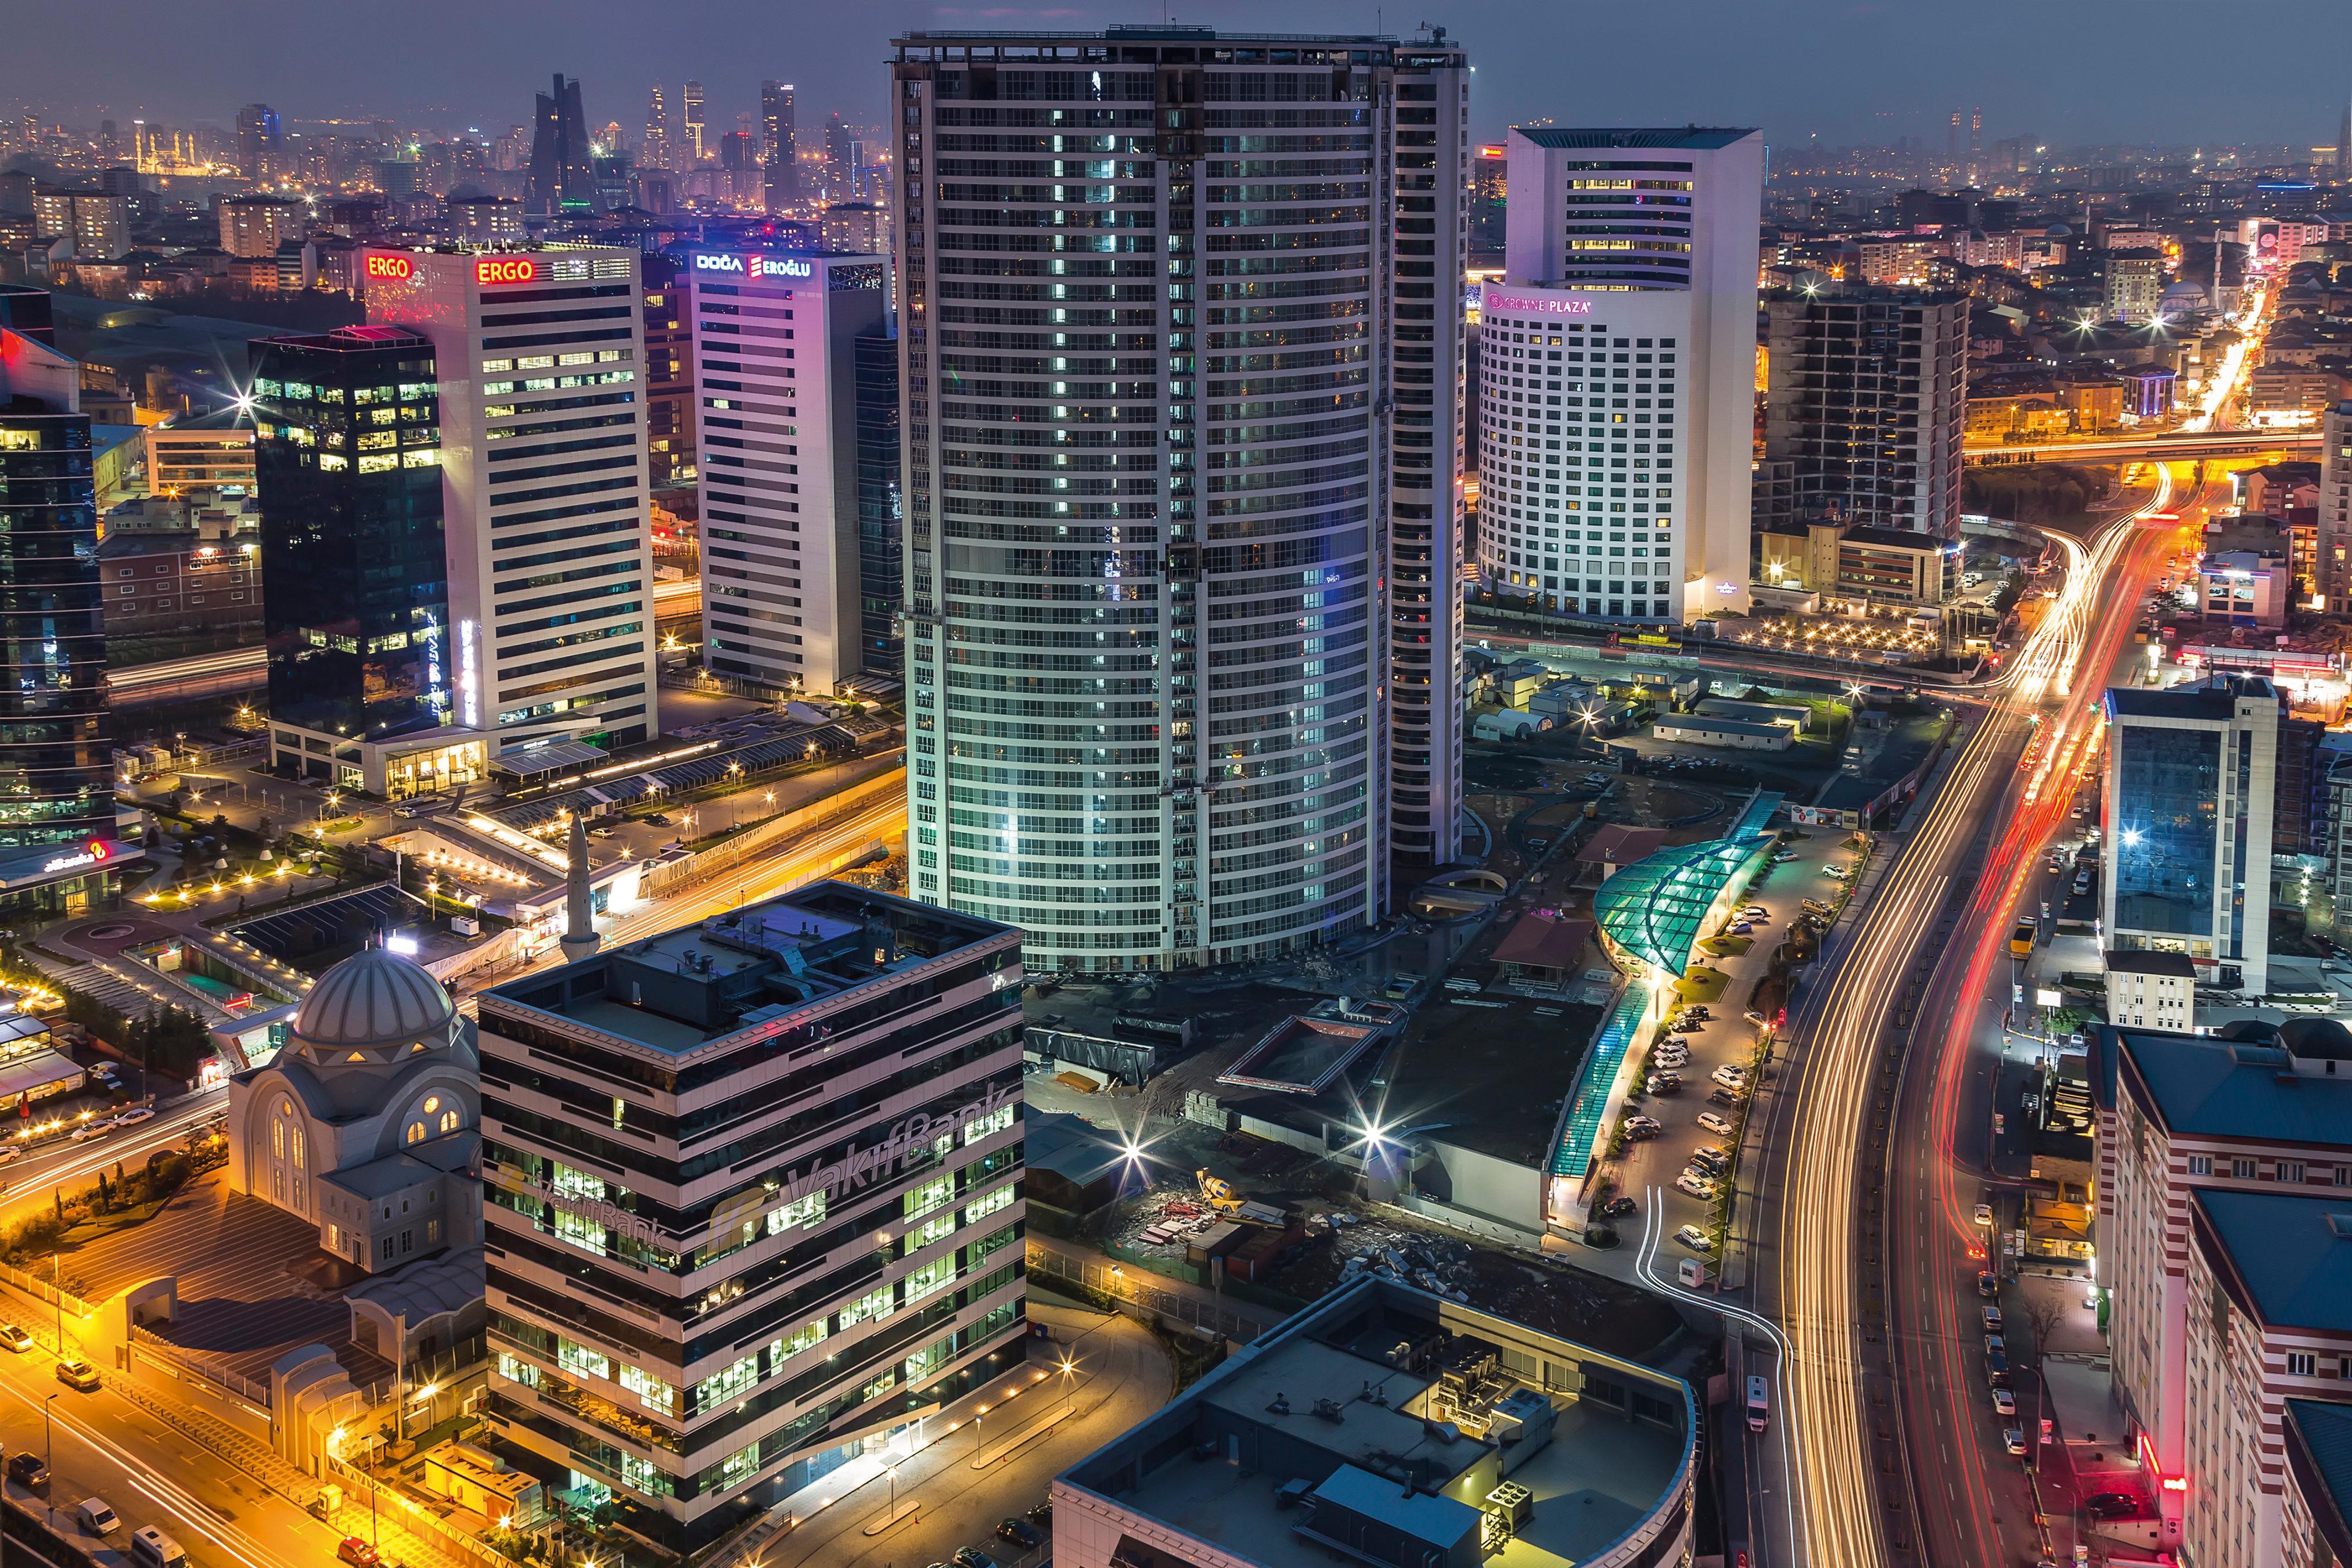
(58, 854)
(540, 360)
(776, 149)
(1616, 373)
(658, 146)
(1182, 434)
(690, 106)
(258, 138)
(2192, 782)
(1866, 401)
(775, 370)
(562, 179)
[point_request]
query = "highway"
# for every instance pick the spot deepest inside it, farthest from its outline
(1823, 1277)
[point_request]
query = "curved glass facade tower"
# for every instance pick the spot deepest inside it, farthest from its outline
(1181, 371)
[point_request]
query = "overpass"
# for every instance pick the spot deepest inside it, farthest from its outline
(2183, 448)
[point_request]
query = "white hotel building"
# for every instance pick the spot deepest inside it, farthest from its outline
(541, 357)
(1617, 373)
(775, 377)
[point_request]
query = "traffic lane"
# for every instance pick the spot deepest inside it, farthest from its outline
(104, 1446)
(30, 1182)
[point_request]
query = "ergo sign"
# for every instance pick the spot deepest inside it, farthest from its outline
(753, 265)
(398, 268)
(506, 270)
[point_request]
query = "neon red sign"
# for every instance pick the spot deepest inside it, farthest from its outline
(506, 270)
(399, 268)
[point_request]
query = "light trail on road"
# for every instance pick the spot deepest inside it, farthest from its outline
(1818, 1281)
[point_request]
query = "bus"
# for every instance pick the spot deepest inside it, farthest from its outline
(1760, 1403)
(2020, 940)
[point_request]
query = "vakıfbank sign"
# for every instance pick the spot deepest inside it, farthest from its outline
(857, 1169)
(596, 1211)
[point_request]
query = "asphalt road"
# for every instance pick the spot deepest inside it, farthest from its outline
(1872, 1487)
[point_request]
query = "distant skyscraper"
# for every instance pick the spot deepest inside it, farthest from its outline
(58, 854)
(2186, 863)
(655, 153)
(691, 102)
(781, 599)
(1617, 370)
(840, 163)
(257, 138)
(1258, 580)
(562, 177)
(776, 144)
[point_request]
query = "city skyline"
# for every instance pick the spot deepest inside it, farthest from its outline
(1863, 74)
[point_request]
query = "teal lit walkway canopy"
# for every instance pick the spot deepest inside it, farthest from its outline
(1654, 908)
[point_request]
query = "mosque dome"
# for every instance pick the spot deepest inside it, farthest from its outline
(374, 998)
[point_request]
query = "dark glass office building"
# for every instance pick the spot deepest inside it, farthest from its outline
(879, 558)
(354, 577)
(58, 851)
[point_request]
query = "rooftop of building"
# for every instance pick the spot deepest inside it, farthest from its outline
(2291, 1254)
(2214, 703)
(2322, 1432)
(2135, 960)
(1387, 1405)
(359, 338)
(672, 994)
(1493, 1077)
(1145, 32)
(1654, 908)
(2202, 1086)
(1694, 138)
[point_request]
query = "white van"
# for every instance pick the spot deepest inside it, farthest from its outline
(151, 1548)
(97, 1517)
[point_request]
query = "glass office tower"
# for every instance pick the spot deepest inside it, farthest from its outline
(2192, 784)
(56, 796)
(355, 592)
(1182, 340)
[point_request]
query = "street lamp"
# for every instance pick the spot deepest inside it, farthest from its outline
(1068, 1394)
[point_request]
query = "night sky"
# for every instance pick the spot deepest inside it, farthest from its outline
(2065, 71)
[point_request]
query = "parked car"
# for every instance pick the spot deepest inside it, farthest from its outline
(1741, 927)
(1984, 1216)
(1697, 1240)
(1019, 1532)
(1987, 1284)
(134, 1116)
(25, 1469)
(1616, 1207)
(11, 1152)
(1997, 1369)
(1041, 1514)
(1991, 1319)
(601, 832)
(1718, 1125)
(1994, 1342)
(350, 1548)
(657, 819)
(1753, 913)
(972, 1557)
(1723, 1097)
(1714, 1161)
(1642, 1126)
(1670, 1055)
(92, 1129)
(2013, 1439)
(16, 1338)
(79, 1374)
(97, 1517)
(1731, 1075)
(2004, 1403)
(2111, 1505)
(1697, 1185)
(1664, 1083)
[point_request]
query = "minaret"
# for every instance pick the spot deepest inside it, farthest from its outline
(580, 940)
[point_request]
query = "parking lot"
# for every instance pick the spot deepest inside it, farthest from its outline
(1705, 1114)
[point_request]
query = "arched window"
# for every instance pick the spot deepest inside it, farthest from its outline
(277, 1134)
(415, 1133)
(451, 1120)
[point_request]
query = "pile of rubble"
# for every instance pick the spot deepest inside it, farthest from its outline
(1165, 1224)
(1366, 1247)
